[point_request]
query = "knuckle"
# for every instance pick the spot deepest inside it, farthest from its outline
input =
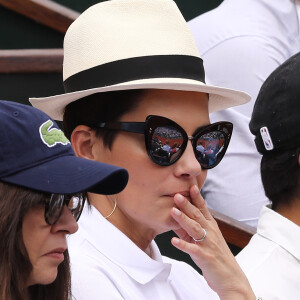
(196, 227)
(196, 214)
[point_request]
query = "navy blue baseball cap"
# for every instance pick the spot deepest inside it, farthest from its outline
(34, 153)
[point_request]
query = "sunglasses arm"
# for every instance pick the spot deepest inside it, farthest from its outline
(135, 127)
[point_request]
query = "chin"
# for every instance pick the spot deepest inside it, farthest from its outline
(48, 280)
(45, 278)
(172, 225)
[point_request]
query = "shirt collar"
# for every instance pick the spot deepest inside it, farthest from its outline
(119, 249)
(280, 230)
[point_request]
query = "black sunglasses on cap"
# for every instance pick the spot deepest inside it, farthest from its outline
(166, 140)
(55, 203)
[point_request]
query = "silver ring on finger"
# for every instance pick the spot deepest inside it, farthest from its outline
(203, 237)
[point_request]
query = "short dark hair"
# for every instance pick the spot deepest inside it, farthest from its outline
(280, 174)
(15, 266)
(100, 107)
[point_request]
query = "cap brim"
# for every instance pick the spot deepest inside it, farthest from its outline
(219, 98)
(72, 174)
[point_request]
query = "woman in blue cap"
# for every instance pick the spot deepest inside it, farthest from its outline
(42, 194)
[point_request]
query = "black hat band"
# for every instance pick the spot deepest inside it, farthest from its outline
(145, 67)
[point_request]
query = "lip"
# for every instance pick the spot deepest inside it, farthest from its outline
(57, 253)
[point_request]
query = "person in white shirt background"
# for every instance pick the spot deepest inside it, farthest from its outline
(272, 258)
(133, 75)
(241, 43)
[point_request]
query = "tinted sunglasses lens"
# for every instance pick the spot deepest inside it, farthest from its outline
(54, 208)
(210, 148)
(166, 144)
(76, 205)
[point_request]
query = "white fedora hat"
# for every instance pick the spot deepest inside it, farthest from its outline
(132, 44)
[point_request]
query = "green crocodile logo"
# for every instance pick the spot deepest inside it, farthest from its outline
(53, 136)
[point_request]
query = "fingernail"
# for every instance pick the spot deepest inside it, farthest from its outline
(176, 211)
(175, 241)
(179, 197)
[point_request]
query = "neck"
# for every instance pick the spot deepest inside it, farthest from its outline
(291, 210)
(141, 236)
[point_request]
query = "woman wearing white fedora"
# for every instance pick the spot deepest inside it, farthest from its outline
(134, 83)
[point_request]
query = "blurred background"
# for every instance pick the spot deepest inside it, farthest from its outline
(40, 24)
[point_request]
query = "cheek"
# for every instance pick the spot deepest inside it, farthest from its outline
(35, 244)
(145, 177)
(34, 232)
(201, 178)
(126, 148)
(129, 151)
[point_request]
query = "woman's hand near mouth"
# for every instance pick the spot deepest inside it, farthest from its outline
(200, 237)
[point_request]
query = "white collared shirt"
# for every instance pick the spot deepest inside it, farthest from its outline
(241, 43)
(298, 11)
(271, 260)
(107, 265)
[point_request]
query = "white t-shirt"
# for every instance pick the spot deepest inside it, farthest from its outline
(241, 43)
(107, 265)
(271, 260)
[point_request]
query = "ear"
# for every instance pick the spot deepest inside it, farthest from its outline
(83, 138)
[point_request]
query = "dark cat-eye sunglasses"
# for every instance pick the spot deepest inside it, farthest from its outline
(166, 141)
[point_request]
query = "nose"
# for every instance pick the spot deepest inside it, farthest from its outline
(66, 222)
(187, 166)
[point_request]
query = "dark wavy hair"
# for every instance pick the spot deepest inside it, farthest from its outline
(15, 266)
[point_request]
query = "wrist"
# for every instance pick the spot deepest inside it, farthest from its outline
(241, 294)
